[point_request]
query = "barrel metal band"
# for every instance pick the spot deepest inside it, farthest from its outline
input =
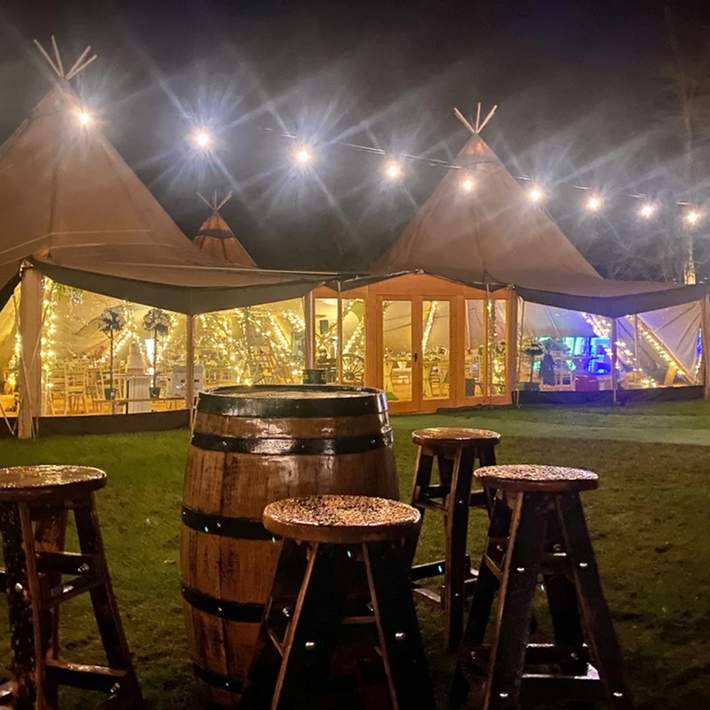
(240, 528)
(217, 680)
(232, 611)
(364, 400)
(287, 447)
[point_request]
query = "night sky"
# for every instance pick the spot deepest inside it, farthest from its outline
(580, 87)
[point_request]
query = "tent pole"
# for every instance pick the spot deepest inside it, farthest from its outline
(309, 322)
(511, 348)
(519, 354)
(339, 355)
(30, 366)
(189, 361)
(614, 360)
(705, 354)
(637, 343)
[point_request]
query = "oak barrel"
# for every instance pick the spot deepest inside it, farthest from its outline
(252, 446)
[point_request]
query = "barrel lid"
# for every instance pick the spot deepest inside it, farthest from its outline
(278, 401)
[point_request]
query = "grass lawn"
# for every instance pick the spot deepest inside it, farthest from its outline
(650, 523)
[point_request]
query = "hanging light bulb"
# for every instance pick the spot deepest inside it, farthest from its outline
(201, 138)
(393, 170)
(594, 203)
(691, 217)
(84, 117)
(536, 194)
(467, 184)
(647, 210)
(303, 155)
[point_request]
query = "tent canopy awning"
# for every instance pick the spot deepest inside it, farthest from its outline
(577, 292)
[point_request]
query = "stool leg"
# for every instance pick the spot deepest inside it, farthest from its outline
(422, 480)
(312, 633)
(104, 602)
(49, 536)
(483, 596)
(455, 572)
(596, 618)
(521, 569)
(23, 604)
(400, 641)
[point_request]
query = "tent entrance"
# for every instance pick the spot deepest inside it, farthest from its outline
(414, 346)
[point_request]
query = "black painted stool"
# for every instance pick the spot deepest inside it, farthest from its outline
(341, 574)
(538, 532)
(456, 452)
(34, 502)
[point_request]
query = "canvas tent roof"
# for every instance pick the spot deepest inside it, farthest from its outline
(71, 204)
(494, 236)
(216, 238)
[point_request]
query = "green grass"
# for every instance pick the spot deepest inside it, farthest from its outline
(650, 522)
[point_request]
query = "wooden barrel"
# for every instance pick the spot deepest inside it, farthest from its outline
(252, 446)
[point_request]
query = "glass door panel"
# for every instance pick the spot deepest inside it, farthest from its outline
(474, 349)
(436, 340)
(497, 345)
(397, 360)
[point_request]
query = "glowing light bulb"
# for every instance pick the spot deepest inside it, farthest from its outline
(467, 184)
(201, 138)
(594, 203)
(84, 117)
(393, 170)
(647, 210)
(691, 217)
(536, 194)
(303, 155)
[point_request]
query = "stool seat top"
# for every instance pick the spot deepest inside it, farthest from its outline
(340, 519)
(30, 482)
(537, 478)
(454, 436)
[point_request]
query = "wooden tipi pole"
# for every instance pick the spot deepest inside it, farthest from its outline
(309, 322)
(614, 360)
(511, 347)
(189, 361)
(705, 325)
(339, 329)
(30, 365)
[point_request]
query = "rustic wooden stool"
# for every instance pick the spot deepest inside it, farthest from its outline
(34, 501)
(455, 451)
(538, 529)
(335, 547)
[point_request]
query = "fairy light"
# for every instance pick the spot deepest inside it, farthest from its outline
(84, 117)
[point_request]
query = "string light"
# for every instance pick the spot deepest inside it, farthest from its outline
(536, 194)
(691, 217)
(393, 170)
(201, 138)
(647, 210)
(467, 184)
(84, 117)
(303, 155)
(594, 202)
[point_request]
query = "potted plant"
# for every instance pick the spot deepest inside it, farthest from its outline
(157, 322)
(111, 321)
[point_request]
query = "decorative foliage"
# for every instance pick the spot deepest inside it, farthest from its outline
(111, 321)
(157, 321)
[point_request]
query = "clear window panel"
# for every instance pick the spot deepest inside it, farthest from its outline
(103, 355)
(9, 354)
(436, 329)
(497, 345)
(353, 339)
(251, 346)
(474, 349)
(397, 350)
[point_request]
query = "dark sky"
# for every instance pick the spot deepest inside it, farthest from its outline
(578, 85)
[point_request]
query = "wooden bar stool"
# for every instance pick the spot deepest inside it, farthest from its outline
(341, 575)
(538, 532)
(34, 502)
(455, 451)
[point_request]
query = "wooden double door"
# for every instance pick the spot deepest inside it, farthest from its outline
(415, 344)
